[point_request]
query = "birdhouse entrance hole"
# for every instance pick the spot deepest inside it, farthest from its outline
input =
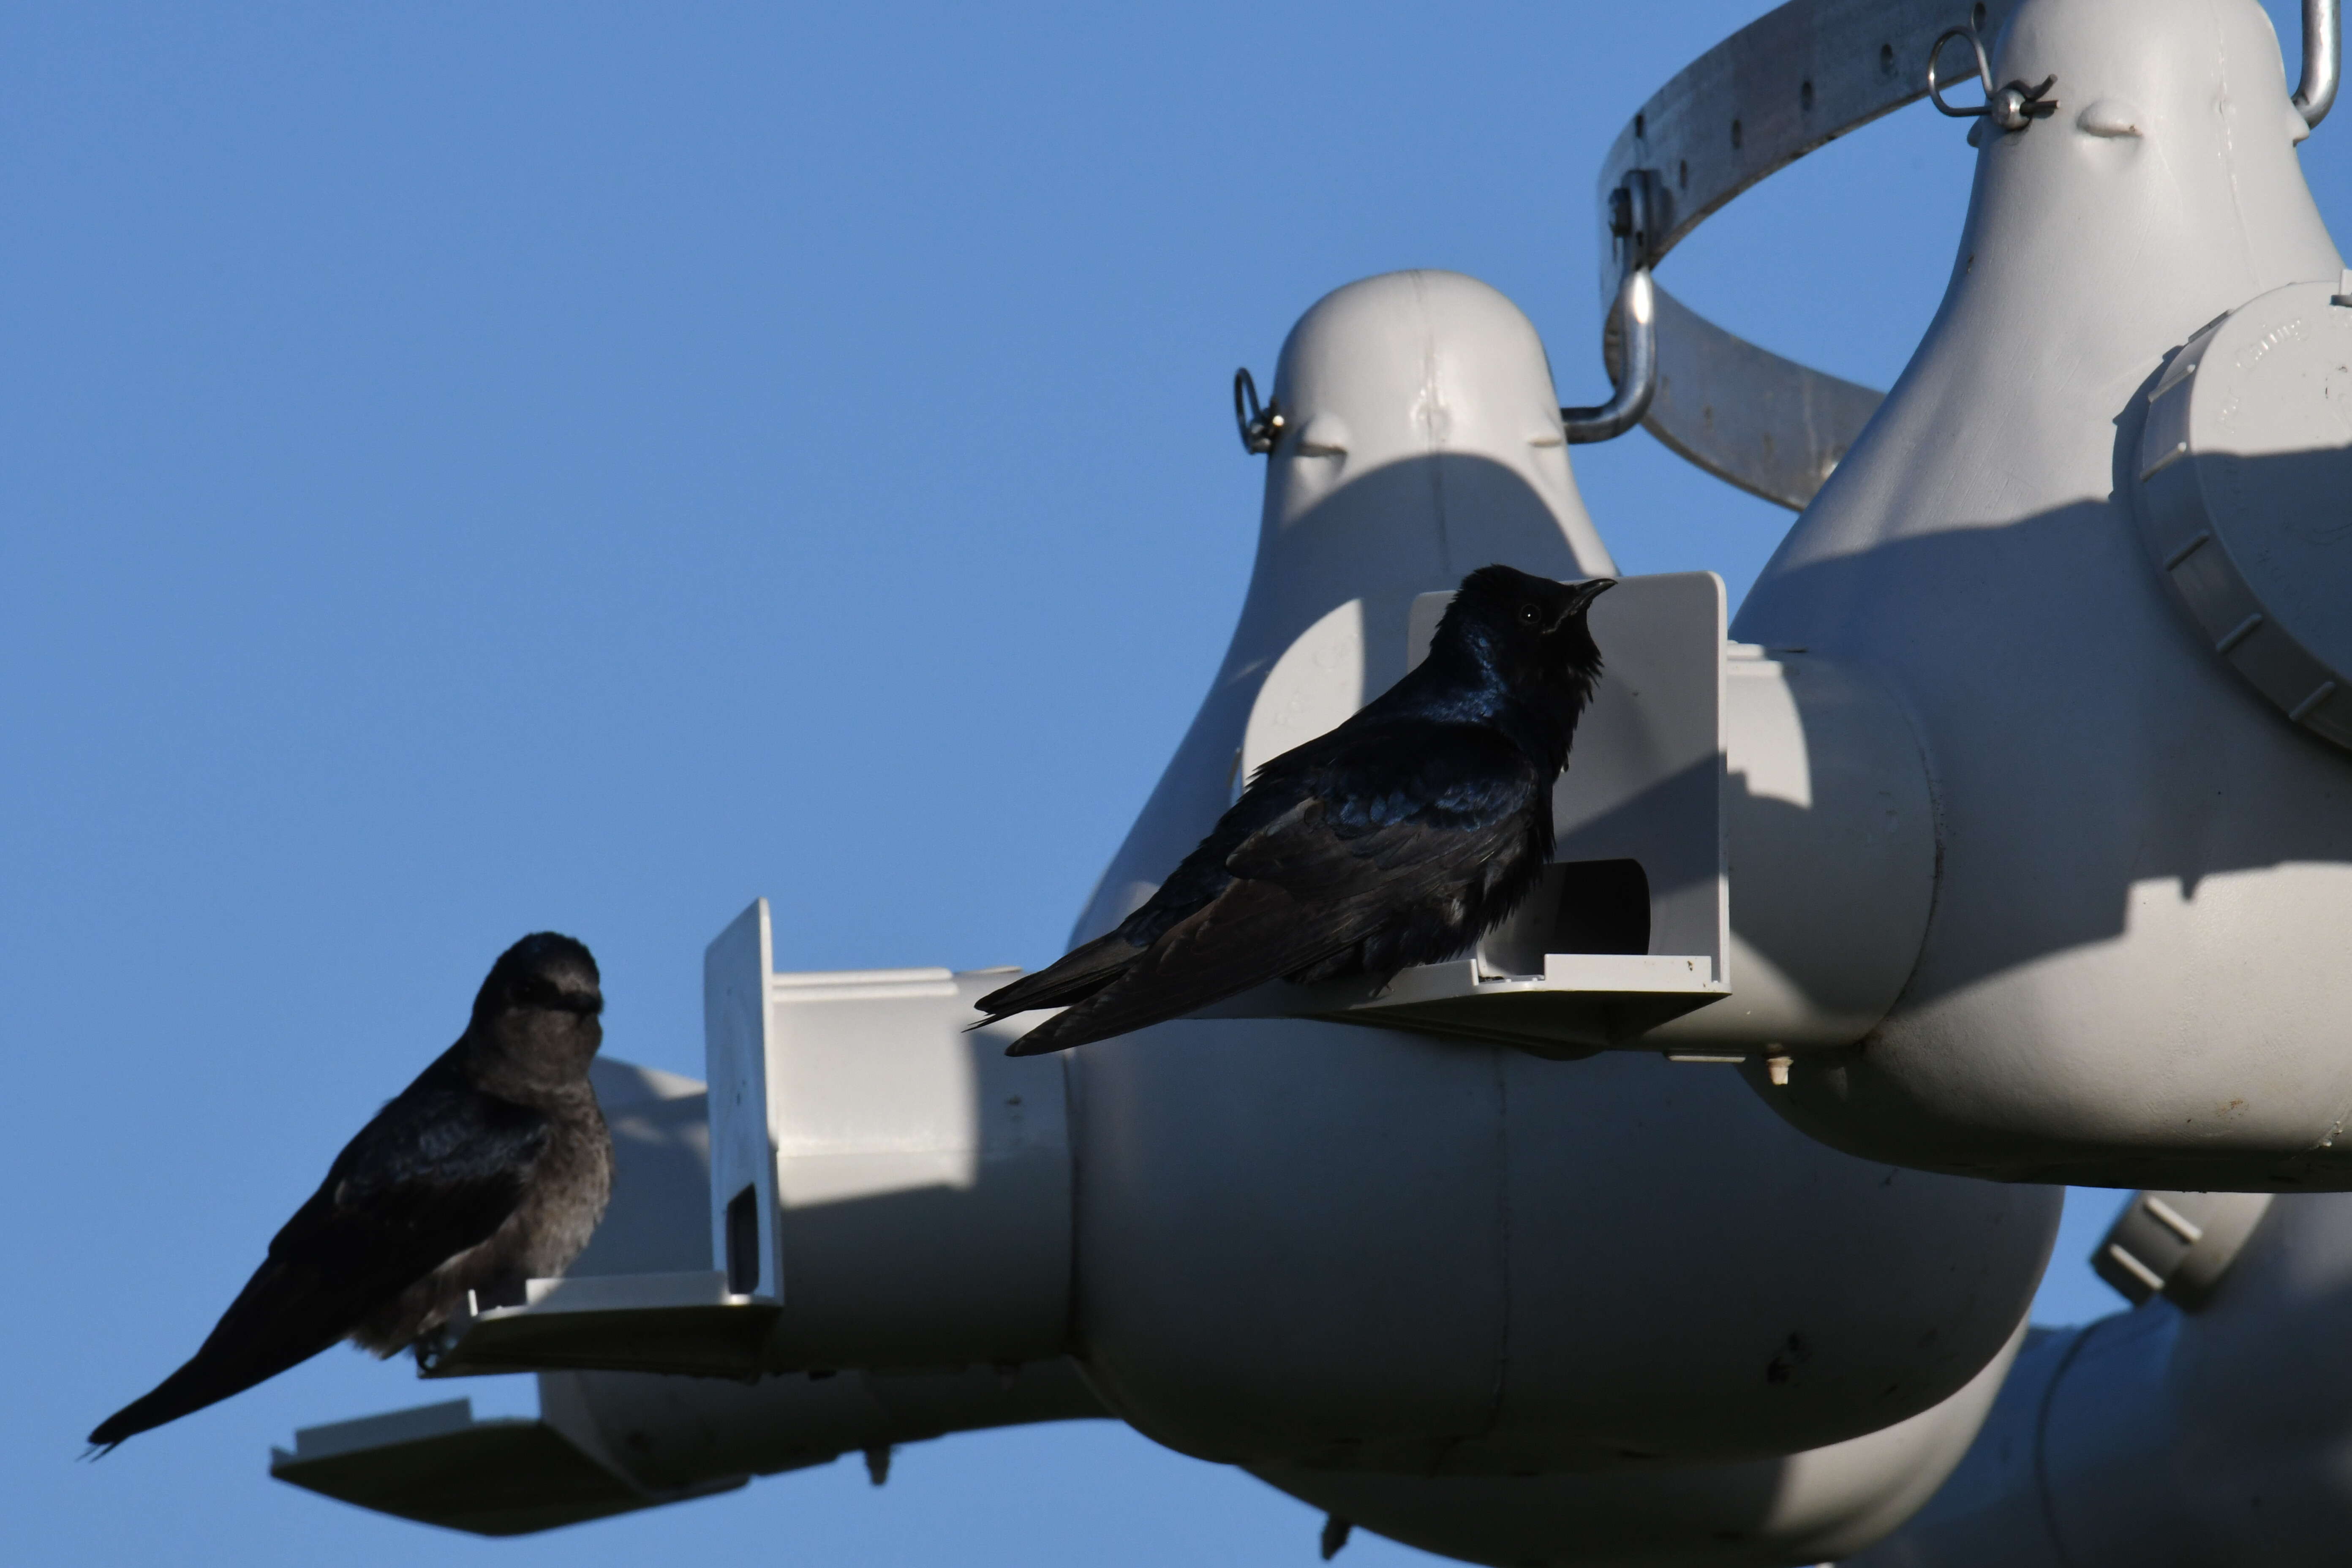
(743, 1241)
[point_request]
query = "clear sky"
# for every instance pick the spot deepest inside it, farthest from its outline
(474, 469)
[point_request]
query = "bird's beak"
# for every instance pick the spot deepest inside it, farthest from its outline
(1581, 597)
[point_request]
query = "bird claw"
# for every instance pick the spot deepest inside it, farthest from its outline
(431, 1348)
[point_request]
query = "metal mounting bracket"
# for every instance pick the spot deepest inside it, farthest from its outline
(2322, 60)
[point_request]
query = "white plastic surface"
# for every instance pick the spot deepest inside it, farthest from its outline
(1833, 847)
(1424, 443)
(1314, 688)
(1357, 1248)
(737, 1028)
(688, 1323)
(1804, 1508)
(2245, 488)
(917, 1179)
(2179, 1245)
(2133, 972)
(2160, 1438)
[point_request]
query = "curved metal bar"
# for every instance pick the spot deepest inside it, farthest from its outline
(1769, 425)
(1794, 79)
(1791, 81)
(2322, 60)
(1636, 376)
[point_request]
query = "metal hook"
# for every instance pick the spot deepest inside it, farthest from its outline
(1261, 428)
(1631, 218)
(2322, 60)
(1984, 71)
(2012, 108)
(1637, 309)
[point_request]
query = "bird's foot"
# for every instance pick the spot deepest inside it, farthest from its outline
(431, 1347)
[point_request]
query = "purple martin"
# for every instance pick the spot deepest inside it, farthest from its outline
(1401, 838)
(491, 1169)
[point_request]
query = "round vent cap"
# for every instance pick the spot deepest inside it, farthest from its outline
(2245, 481)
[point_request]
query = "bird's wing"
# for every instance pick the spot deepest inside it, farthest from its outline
(1392, 823)
(1199, 878)
(1073, 977)
(437, 1171)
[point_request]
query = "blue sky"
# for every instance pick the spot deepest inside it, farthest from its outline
(471, 469)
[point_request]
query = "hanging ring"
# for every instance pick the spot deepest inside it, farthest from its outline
(1261, 428)
(1984, 73)
(2012, 108)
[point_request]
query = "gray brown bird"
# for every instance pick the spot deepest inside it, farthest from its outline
(1401, 838)
(492, 1168)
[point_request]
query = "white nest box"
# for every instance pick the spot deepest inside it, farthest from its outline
(1330, 1249)
(1746, 839)
(1394, 1249)
(2097, 542)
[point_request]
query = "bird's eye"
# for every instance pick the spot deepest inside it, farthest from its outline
(1529, 614)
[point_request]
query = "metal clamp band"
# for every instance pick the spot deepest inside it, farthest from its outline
(1793, 79)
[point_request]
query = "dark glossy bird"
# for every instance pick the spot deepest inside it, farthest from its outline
(491, 1169)
(1401, 838)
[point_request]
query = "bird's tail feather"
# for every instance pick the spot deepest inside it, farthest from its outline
(1071, 978)
(1255, 935)
(282, 1318)
(1056, 1035)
